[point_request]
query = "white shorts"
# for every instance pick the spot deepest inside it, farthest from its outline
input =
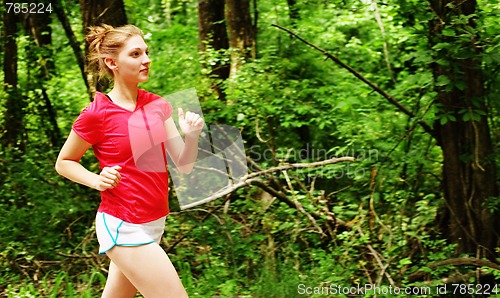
(113, 231)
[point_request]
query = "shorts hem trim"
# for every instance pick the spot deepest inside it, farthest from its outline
(126, 244)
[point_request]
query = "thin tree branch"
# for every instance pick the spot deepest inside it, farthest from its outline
(389, 97)
(225, 191)
(301, 166)
(380, 23)
(250, 178)
(378, 257)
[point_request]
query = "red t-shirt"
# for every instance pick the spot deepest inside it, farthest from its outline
(135, 141)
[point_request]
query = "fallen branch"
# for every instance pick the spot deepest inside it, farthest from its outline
(254, 179)
(419, 274)
(375, 87)
(460, 278)
(251, 178)
(300, 166)
(378, 257)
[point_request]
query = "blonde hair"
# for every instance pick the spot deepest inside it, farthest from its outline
(106, 41)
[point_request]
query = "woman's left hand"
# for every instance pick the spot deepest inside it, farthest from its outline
(191, 123)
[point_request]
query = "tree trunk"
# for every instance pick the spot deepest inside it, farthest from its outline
(213, 36)
(13, 121)
(75, 45)
(94, 12)
(41, 63)
(468, 168)
(242, 33)
(293, 12)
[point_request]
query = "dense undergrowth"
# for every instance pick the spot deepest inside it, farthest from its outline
(374, 221)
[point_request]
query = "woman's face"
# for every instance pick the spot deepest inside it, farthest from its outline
(132, 63)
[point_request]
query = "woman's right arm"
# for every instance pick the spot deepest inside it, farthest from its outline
(68, 165)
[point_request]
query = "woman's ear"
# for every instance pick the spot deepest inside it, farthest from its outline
(110, 63)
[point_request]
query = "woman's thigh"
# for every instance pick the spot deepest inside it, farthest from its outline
(117, 284)
(149, 269)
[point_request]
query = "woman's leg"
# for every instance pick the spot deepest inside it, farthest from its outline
(117, 284)
(149, 269)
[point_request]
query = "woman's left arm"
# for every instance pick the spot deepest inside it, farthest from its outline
(184, 152)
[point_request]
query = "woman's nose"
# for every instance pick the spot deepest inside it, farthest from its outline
(146, 59)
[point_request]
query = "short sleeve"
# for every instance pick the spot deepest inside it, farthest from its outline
(89, 124)
(167, 110)
(157, 104)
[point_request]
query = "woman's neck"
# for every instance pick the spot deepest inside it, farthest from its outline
(124, 95)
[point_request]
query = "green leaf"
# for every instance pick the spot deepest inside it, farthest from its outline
(443, 62)
(460, 85)
(442, 80)
(448, 32)
(405, 261)
(441, 45)
(443, 120)
(476, 117)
